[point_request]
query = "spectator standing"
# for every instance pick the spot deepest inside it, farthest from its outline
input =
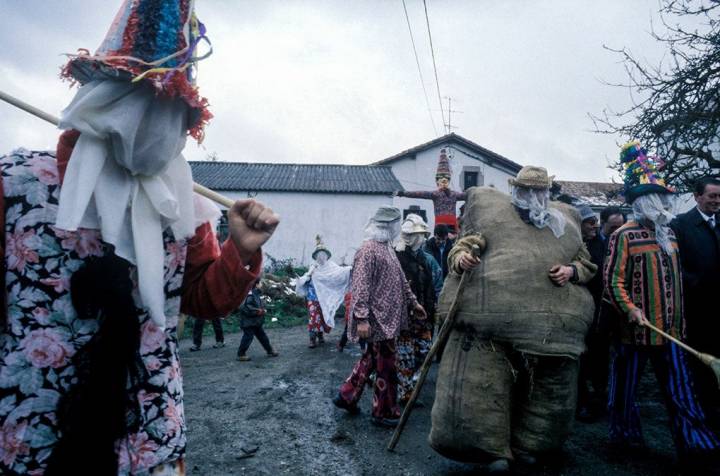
(698, 238)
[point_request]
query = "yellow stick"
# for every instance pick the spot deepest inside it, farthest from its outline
(204, 191)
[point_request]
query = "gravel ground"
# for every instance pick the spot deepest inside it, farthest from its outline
(274, 416)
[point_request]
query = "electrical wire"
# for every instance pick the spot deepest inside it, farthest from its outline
(417, 61)
(432, 52)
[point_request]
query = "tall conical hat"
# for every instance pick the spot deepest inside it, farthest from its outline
(153, 41)
(642, 173)
(319, 246)
(443, 168)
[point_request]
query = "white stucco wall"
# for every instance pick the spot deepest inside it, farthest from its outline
(419, 174)
(338, 218)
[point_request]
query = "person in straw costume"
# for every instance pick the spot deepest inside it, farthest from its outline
(507, 383)
(105, 243)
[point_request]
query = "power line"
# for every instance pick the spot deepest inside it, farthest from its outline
(417, 61)
(432, 52)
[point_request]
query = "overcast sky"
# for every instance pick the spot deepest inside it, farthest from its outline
(336, 81)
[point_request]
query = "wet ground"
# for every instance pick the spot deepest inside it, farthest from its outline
(274, 416)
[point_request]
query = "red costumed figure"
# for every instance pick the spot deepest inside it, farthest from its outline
(444, 199)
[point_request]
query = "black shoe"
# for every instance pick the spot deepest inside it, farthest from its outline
(340, 402)
(385, 422)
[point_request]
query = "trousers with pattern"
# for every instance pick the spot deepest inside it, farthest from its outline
(687, 421)
(379, 357)
(412, 348)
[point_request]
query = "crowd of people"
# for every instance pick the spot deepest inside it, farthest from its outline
(105, 243)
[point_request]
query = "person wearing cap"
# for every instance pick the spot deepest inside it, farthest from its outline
(439, 246)
(105, 243)
(594, 361)
(511, 360)
(324, 287)
(444, 199)
(252, 317)
(381, 297)
(414, 343)
(642, 277)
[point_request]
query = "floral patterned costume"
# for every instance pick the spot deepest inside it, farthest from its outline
(42, 331)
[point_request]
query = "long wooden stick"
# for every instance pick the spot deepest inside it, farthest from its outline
(439, 341)
(201, 190)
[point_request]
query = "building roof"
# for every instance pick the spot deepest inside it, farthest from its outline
(594, 194)
(490, 156)
(243, 176)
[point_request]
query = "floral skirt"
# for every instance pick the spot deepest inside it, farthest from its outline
(316, 322)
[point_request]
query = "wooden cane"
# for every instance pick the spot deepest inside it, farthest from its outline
(707, 359)
(440, 340)
(199, 189)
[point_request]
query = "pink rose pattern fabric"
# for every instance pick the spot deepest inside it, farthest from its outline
(43, 333)
(380, 358)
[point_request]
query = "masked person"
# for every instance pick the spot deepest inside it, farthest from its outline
(444, 199)
(105, 244)
(381, 298)
(507, 383)
(414, 343)
(642, 278)
(324, 287)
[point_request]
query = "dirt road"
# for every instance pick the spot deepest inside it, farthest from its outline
(274, 416)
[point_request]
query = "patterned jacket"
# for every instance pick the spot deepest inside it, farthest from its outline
(639, 274)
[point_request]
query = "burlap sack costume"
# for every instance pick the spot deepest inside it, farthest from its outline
(512, 321)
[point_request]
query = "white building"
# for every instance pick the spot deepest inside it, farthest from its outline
(470, 163)
(334, 201)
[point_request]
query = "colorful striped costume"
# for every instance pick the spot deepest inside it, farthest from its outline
(639, 274)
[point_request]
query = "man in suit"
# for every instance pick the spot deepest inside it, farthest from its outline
(439, 246)
(698, 237)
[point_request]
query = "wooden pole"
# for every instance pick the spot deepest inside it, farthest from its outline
(439, 341)
(201, 190)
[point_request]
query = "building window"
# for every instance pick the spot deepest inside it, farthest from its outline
(416, 210)
(472, 178)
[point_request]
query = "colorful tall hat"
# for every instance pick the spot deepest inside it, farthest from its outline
(319, 246)
(641, 172)
(443, 168)
(154, 41)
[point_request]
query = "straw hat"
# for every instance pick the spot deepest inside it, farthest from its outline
(414, 224)
(532, 177)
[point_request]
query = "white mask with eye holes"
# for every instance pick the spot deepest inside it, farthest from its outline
(414, 241)
(321, 258)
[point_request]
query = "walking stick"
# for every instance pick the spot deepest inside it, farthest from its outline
(204, 191)
(707, 359)
(439, 341)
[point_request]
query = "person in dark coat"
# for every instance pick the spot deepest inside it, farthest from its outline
(698, 239)
(252, 316)
(594, 361)
(439, 247)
